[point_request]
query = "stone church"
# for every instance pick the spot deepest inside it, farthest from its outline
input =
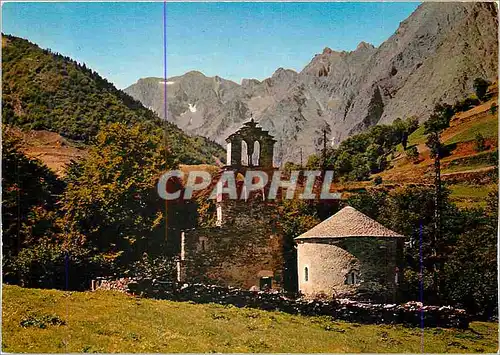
(237, 242)
(240, 245)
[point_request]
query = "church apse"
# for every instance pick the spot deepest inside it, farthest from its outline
(250, 146)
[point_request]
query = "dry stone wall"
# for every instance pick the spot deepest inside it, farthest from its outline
(411, 313)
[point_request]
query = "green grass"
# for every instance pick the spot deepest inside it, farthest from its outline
(488, 128)
(477, 161)
(417, 137)
(465, 195)
(108, 321)
(459, 168)
(469, 191)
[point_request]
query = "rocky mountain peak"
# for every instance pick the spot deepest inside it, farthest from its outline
(249, 82)
(283, 72)
(195, 73)
(364, 45)
(434, 55)
(327, 50)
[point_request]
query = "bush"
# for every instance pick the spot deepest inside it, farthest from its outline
(479, 143)
(41, 321)
(289, 167)
(377, 180)
(29, 196)
(359, 173)
(466, 104)
(149, 267)
(412, 154)
(49, 264)
(481, 87)
(471, 272)
(374, 291)
(493, 108)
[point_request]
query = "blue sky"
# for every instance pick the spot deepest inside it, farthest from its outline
(124, 41)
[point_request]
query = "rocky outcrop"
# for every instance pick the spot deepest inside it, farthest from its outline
(434, 55)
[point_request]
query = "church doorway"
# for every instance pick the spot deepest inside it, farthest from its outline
(265, 283)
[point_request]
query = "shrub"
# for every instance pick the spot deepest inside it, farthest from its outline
(479, 143)
(41, 321)
(412, 154)
(49, 264)
(481, 87)
(466, 104)
(290, 166)
(160, 268)
(493, 108)
(374, 291)
(377, 180)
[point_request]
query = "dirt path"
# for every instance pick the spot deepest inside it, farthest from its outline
(478, 170)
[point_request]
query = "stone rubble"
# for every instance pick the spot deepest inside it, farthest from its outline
(410, 314)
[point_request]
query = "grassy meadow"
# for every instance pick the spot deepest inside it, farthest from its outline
(465, 195)
(54, 321)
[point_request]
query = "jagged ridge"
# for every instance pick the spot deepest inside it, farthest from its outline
(434, 55)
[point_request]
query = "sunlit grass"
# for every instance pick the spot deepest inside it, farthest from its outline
(108, 321)
(487, 128)
(465, 195)
(417, 137)
(460, 168)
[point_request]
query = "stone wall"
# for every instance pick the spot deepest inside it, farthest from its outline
(238, 253)
(330, 261)
(120, 284)
(233, 257)
(409, 314)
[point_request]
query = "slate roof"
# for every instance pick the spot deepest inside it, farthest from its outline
(349, 222)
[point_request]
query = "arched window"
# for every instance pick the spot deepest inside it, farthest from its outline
(244, 153)
(352, 278)
(306, 274)
(256, 154)
(203, 244)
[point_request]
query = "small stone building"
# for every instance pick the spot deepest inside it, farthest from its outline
(350, 255)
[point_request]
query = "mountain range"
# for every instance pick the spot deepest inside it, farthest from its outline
(434, 55)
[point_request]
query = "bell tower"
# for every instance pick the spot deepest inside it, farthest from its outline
(250, 146)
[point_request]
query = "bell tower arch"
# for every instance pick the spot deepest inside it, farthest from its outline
(259, 147)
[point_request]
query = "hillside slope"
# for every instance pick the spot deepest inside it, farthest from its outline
(458, 139)
(55, 151)
(468, 170)
(434, 55)
(107, 322)
(46, 91)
